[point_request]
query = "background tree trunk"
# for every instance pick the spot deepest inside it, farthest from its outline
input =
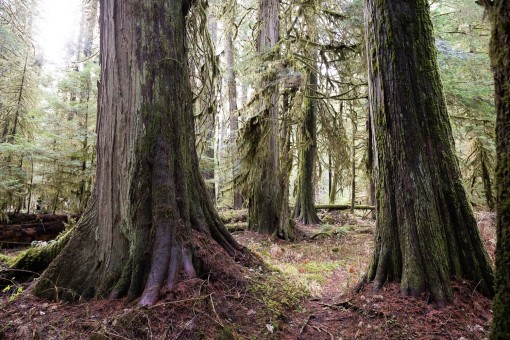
(426, 232)
(232, 107)
(265, 199)
(304, 208)
(137, 231)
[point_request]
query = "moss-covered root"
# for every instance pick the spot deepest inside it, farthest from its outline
(37, 259)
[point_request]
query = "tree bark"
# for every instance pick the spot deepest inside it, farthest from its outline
(304, 210)
(139, 229)
(487, 185)
(354, 124)
(265, 199)
(499, 11)
(426, 232)
(232, 107)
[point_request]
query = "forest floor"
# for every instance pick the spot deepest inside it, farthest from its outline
(303, 291)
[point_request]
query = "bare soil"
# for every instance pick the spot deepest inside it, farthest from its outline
(291, 290)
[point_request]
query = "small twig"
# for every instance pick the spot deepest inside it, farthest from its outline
(178, 301)
(214, 311)
(149, 326)
(474, 290)
(185, 328)
(326, 331)
(311, 316)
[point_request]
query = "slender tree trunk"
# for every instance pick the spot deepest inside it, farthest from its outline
(499, 12)
(426, 232)
(30, 187)
(333, 163)
(19, 103)
(330, 177)
(211, 152)
(147, 215)
(487, 186)
(354, 124)
(287, 231)
(370, 166)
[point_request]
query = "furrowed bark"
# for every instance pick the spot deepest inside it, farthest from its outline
(499, 12)
(426, 233)
(135, 236)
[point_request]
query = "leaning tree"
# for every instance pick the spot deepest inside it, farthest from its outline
(499, 12)
(140, 230)
(426, 232)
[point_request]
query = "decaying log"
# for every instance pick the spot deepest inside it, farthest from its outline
(237, 226)
(25, 229)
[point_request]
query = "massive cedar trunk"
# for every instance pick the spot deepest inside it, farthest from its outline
(499, 11)
(136, 234)
(265, 196)
(426, 232)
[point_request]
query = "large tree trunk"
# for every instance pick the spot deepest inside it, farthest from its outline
(426, 232)
(136, 234)
(232, 107)
(304, 209)
(266, 197)
(499, 11)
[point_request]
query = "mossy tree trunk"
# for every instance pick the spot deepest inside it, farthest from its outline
(499, 11)
(369, 166)
(426, 232)
(354, 124)
(232, 105)
(304, 207)
(265, 198)
(135, 236)
(487, 185)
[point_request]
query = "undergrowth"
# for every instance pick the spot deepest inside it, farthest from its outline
(279, 295)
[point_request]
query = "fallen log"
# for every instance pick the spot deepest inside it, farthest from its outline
(24, 229)
(237, 226)
(32, 261)
(233, 216)
(342, 207)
